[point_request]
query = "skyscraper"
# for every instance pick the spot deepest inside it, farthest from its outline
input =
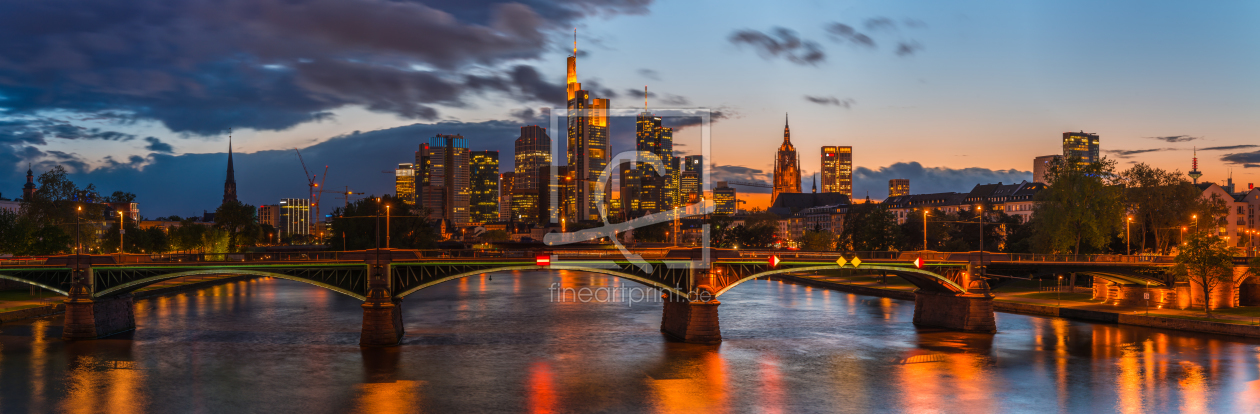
(405, 183)
(837, 170)
(507, 181)
(447, 193)
(295, 216)
(724, 199)
(1081, 144)
(484, 201)
(533, 151)
(588, 147)
(787, 166)
(229, 184)
(690, 185)
(651, 191)
(898, 187)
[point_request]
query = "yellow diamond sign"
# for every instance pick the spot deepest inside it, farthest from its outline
(840, 262)
(856, 262)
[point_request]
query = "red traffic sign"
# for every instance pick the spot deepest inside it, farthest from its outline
(542, 260)
(918, 263)
(774, 260)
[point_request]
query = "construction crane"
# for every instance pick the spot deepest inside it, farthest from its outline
(314, 187)
(346, 197)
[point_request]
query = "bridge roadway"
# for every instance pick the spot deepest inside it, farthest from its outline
(948, 295)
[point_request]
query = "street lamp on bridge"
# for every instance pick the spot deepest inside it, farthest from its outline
(1128, 247)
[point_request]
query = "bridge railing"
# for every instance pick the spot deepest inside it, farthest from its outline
(22, 261)
(1090, 258)
(796, 254)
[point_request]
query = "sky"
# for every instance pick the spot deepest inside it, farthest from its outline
(141, 96)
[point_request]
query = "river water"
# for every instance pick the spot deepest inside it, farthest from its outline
(503, 344)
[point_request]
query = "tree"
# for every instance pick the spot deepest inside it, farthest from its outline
(1160, 202)
(59, 202)
(721, 232)
(354, 226)
(495, 235)
(236, 217)
(1081, 208)
(121, 197)
(758, 230)
(1205, 260)
(869, 227)
(818, 240)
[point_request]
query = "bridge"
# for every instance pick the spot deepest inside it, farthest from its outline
(949, 294)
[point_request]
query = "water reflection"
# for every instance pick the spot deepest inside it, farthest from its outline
(500, 344)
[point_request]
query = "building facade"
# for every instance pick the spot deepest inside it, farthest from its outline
(484, 199)
(447, 195)
(724, 199)
(1081, 144)
(787, 166)
(295, 216)
(588, 150)
(405, 183)
(269, 214)
(837, 170)
(1041, 165)
(898, 187)
(532, 152)
(507, 181)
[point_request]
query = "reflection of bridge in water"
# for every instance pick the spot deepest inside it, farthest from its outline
(948, 295)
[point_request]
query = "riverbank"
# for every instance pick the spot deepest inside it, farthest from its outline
(42, 307)
(1190, 321)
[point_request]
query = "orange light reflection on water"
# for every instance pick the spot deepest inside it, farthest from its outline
(703, 392)
(388, 398)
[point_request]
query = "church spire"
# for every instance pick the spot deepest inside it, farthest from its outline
(229, 185)
(28, 190)
(787, 133)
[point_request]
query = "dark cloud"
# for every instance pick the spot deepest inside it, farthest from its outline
(1131, 153)
(668, 99)
(830, 100)
(525, 115)
(639, 93)
(879, 23)
(671, 99)
(156, 145)
(782, 42)
(845, 33)
(908, 48)
(1227, 148)
(1242, 158)
(650, 74)
(38, 130)
(735, 173)
(680, 122)
(1251, 165)
(1176, 138)
(202, 66)
(924, 180)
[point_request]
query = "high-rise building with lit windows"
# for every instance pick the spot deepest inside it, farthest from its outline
(837, 170)
(484, 186)
(405, 183)
(447, 195)
(588, 149)
(898, 187)
(691, 188)
(295, 216)
(507, 181)
(787, 166)
(532, 152)
(724, 199)
(1081, 144)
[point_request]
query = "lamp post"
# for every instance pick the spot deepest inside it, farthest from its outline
(1128, 247)
(1196, 222)
(983, 270)
(78, 248)
(1058, 291)
(387, 226)
(121, 232)
(925, 213)
(1183, 235)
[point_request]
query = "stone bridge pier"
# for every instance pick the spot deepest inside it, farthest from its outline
(382, 312)
(967, 312)
(91, 318)
(692, 319)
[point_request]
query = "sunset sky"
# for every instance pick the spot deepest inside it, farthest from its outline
(139, 96)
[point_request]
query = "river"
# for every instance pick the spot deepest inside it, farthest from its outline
(503, 344)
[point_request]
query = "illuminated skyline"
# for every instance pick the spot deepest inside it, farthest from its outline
(971, 92)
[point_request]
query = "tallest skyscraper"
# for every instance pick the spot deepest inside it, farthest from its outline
(588, 147)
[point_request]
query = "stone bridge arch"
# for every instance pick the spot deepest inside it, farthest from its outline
(610, 272)
(137, 284)
(922, 279)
